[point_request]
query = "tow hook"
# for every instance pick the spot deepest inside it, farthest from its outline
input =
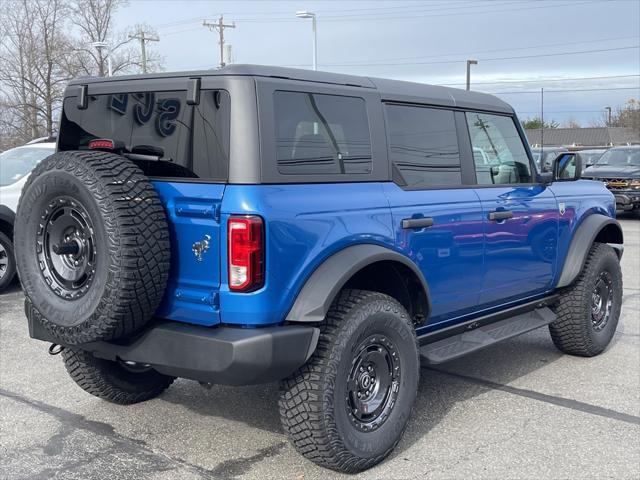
(55, 349)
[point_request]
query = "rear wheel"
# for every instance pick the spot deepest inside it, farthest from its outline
(7, 261)
(347, 407)
(117, 382)
(588, 310)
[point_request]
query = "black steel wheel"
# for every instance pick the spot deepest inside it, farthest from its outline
(373, 382)
(347, 407)
(602, 301)
(66, 247)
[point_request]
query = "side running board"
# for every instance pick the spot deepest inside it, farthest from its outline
(463, 343)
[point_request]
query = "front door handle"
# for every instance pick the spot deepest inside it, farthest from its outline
(500, 215)
(422, 222)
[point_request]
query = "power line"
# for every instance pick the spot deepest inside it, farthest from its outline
(568, 79)
(410, 12)
(568, 90)
(353, 62)
(333, 12)
(438, 62)
(415, 14)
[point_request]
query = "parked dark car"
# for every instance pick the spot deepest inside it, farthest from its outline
(619, 169)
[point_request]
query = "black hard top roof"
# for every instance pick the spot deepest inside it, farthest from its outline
(390, 90)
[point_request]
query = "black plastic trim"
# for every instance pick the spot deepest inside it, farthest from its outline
(580, 245)
(221, 355)
(486, 319)
(314, 300)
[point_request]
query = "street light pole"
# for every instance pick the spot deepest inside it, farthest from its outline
(608, 109)
(469, 63)
(312, 16)
(104, 45)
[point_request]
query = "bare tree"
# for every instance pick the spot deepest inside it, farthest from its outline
(94, 20)
(43, 44)
(17, 76)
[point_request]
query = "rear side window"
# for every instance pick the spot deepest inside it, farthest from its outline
(499, 154)
(321, 134)
(423, 146)
(193, 139)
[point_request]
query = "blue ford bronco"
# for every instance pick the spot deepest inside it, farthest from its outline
(330, 232)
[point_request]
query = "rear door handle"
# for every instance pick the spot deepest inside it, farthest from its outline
(417, 222)
(500, 215)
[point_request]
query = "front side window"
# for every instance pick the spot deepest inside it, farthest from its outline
(321, 134)
(503, 159)
(423, 146)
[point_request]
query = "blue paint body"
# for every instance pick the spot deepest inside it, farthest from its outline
(471, 265)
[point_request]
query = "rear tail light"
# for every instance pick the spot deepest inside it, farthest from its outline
(245, 253)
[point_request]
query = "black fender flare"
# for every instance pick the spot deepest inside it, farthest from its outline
(582, 240)
(7, 216)
(315, 297)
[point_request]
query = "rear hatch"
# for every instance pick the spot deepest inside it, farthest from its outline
(183, 148)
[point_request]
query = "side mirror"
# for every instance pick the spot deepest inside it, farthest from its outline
(545, 178)
(567, 167)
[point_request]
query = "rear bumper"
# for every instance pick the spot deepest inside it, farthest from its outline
(224, 355)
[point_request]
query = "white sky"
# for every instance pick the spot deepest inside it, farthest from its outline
(425, 41)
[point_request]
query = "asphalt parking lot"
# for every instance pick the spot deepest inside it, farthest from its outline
(517, 410)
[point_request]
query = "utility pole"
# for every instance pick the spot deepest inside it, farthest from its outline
(219, 27)
(141, 35)
(469, 63)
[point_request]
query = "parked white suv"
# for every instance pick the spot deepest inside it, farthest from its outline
(15, 166)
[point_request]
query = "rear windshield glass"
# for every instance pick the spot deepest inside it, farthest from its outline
(193, 138)
(321, 134)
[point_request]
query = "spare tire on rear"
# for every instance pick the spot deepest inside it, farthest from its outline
(92, 246)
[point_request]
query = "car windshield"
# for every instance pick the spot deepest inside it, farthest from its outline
(18, 162)
(620, 158)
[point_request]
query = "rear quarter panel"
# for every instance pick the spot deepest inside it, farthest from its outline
(304, 225)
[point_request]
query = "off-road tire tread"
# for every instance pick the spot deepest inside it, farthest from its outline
(305, 408)
(139, 238)
(570, 332)
(92, 375)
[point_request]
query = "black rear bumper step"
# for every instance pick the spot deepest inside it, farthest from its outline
(221, 355)
(463, 343)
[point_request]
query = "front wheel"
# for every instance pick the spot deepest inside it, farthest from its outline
(347, 407)
(588, 310)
